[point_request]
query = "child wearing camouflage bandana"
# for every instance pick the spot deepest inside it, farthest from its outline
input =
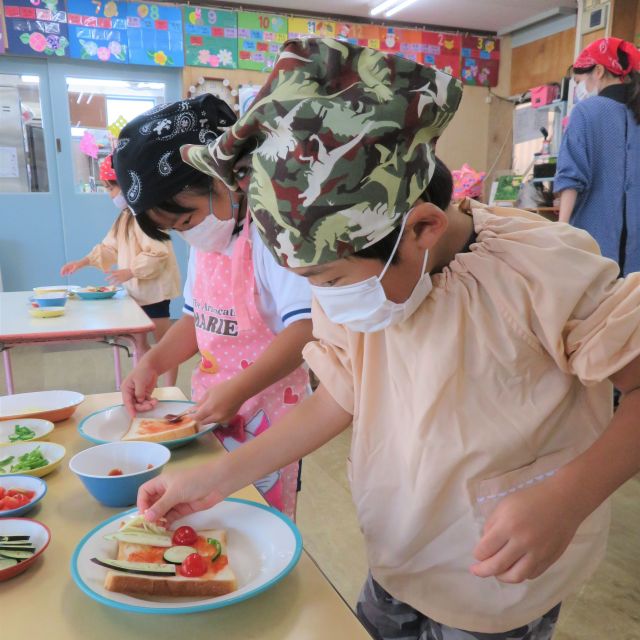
(472, 348)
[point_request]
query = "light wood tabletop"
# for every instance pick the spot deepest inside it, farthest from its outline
(44, 602)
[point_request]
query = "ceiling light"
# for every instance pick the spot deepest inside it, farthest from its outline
(30, 79)
(382, 7)
(400, 7)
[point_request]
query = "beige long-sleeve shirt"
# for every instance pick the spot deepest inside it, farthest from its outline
(497, 380)
(156, 276)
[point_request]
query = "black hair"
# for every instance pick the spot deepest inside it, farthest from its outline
(632, 81)
(200, 185)
(126, 218)
(439, 192)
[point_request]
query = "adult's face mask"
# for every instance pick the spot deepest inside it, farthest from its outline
(582, 93)
(212, 235)
(119, 202)
(364, 306)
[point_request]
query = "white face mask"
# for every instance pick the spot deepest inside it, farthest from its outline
(582, 93)
(119, 202)
(364, 306)
(212, 235)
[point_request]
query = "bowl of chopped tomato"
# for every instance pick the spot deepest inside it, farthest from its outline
(112, 473)
(19, 494)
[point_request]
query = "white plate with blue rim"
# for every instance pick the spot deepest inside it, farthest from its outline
(263, 547)
(110, 424)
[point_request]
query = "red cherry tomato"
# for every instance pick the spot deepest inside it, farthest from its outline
(115, 472)
(193, 566)
(8, 503)
(2, 492)
(184, 536)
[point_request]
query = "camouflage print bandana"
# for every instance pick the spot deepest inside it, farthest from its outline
(343, 138)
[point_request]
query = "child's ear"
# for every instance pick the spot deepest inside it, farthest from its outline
(427, 224)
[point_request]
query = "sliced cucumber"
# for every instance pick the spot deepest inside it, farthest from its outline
(215, 543)
(18, 554)
(135, 537)
(15, 543)
(5, 563)
(13, 538)
(141, 568)
(176, 555)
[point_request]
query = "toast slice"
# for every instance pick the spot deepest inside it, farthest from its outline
(160, 430)
(219, 579)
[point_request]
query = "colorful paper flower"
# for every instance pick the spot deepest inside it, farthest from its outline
(37, 41)
(203, 56)
(115, 48)
(103, 54)
(226, 57)
(214, 61)
(160, 57)
(90, 47)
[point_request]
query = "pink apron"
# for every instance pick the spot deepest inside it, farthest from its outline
(231, 335)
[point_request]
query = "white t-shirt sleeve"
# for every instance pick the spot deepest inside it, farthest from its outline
(188, 284)
(284, 296)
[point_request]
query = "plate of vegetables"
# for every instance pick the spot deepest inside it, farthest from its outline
(20, 494)
(97, 293)
(22, 540)
(31, 458)
(24, 430)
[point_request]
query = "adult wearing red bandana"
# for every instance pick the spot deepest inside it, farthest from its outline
(598, 175)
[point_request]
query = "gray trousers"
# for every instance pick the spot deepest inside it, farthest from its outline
(386, 618)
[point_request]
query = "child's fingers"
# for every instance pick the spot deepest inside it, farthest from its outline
(498, 563)
(490, 543)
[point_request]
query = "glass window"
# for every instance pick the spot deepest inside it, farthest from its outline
(23, 161)
(98, 109)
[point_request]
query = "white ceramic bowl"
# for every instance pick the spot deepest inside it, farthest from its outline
(42, 429)
(138, 461)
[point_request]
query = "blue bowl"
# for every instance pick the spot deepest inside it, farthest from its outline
(133, 459)
(95, 295)
(49, 299)
(23, 482)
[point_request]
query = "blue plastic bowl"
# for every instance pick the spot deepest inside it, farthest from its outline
(93, 465)
(49, 299)
(95, 295)
(23, 482)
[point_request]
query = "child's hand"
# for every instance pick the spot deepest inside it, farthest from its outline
(526, 534)
(71, 267)
(137, 389)
(177, 494)
(220, 404)
(118, 276)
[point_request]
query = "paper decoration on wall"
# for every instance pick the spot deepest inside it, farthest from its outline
(117, 126)
(260, 37)
(389, 39)
(442, 50)
(211, 37)
(154, 32)
(246, 95)
(311, 28)
(481, 47)
(88, 145)
(411, 44)
(36, 27)
(366, 35)
(98, 30)
(483, 73)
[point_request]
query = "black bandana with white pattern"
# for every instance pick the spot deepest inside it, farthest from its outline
(147, 158)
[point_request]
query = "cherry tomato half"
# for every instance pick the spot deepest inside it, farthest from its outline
(184, 536)
(193, 566)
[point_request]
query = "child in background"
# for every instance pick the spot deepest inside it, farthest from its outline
(246, 316)
(472, 347)
(146, 268)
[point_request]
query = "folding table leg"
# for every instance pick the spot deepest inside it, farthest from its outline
(8, 373)
(116, 366)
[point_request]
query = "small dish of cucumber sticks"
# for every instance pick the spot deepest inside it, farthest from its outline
(22, 541)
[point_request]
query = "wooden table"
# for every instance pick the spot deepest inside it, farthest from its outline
(113, 321)
(44, 602)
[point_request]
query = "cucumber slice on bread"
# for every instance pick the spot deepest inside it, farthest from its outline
(140, 568)
(176, 555)
(4, 539)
